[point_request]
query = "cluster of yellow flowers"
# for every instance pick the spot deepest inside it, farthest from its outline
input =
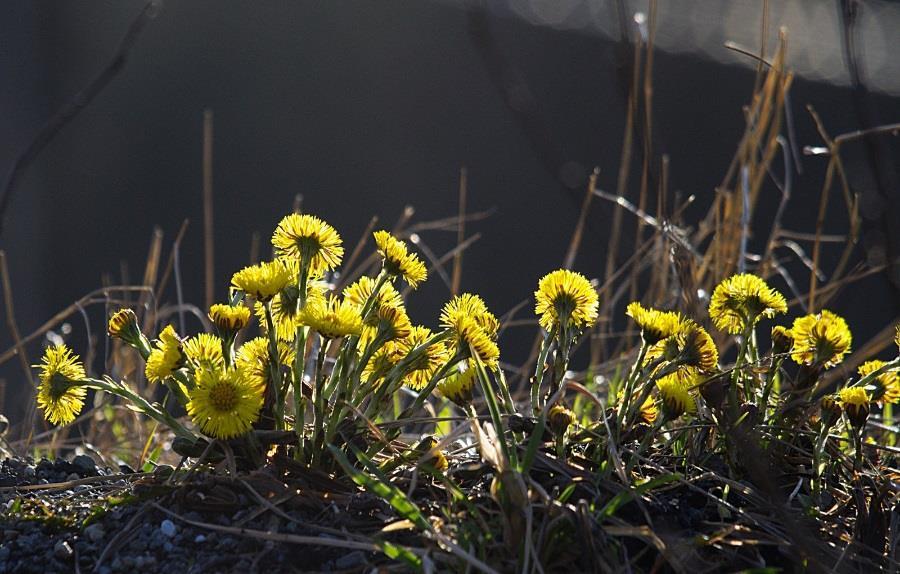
(225, 387)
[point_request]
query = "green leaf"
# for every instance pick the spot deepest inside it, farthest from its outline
(399, 553)
(390, 493)
(618, 500)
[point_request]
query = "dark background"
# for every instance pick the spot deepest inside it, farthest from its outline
(363, 107)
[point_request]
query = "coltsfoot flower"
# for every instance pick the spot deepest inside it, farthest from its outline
(224, 403)
(458, 385)
(821, 339)
(253, 360)
(675, 394)
(565, 298)
(166, 357)
(466, 306)
(333, 318)
(471, 340)
(123, 325)
(300, 237)
(430, 359)
(398, 261)
(262, 281)
(229, 319)
(204, 351)
(741, 300)
(782, 340)
(60, 393)
(655, 325)
(886, 385)
(855, 401)
(362, 289)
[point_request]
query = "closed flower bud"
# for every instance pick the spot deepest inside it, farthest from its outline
(831, 411)
(559, 419)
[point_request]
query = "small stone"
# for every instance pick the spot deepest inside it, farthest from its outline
(85, 464)
(95, 532)
(168, 547)
(73, 476)
(125, 469)
(28, 472)
(199, 539)
(350, 561)
(168, 529)
(62, 550)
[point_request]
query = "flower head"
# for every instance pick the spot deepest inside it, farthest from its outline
(428, 360)
(559, 419)
(398, 261)
(855, 401)
(333, 318)
(471, 340)
(285, 315)
(229, 319)
(466, 306)
(262, 281)
(821, 339)
(655, 325)
(649, 411)
(458, 385)
(392, 322)
(306, 237)
(741, 300)
(166, 356)
(224, 403)
(60, 394)
(697, 347)
(565, 298)
(782, 340)
(204, 351)
(674, 390)
(253, 360)
(361, 291)
(886, 384)
(383, 360)
(123, 325)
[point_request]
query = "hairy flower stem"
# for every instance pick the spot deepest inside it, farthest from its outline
(123, 391)
(319, 406)
(539, 372)
(628, 387)
(273, 404)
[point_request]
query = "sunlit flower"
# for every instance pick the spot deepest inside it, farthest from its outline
(655, 325)
(166, 356)
(466, 306)
(60, 394)
(830, 410)
(262, 281)
(675, 394)
(565, 297)
(362, 289)
(697, 347)
(306, 236)
(229, 319)
(855, 401)
(741, 300)
(204, 350)
(333, 318)
(471, 340)
(285, 315)
(428, 361)
(821, 339)
(398, 261)
(253, 360)
(886, 384)
(383, 360)
(224, 403)
(649, 411)
(458, 385)
(782, 340)
(123, 325)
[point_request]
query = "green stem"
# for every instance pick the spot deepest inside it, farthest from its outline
(274, 389)
(539, 372)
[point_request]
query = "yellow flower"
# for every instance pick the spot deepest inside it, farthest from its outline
(887, 384)
(204, 351)
(398, 261)
(306, 236)
(458, 385)
(253, 360)
(333, 318)
(822, 339)
(559, 419)
(224, 403)
(381, 363)
(565, 297)
(60, 394)
(427, 363)
(674, 391)
(262, 281)
(166, 357)
(649, 411)
(229, 319)
(284, 309)
(361, 291)
(655, 325)
(782, 340)
(123, 325)
(393, 322)
(741, 300)
(855, 401)
(697, 347)
(471, 340)
(462, 308)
